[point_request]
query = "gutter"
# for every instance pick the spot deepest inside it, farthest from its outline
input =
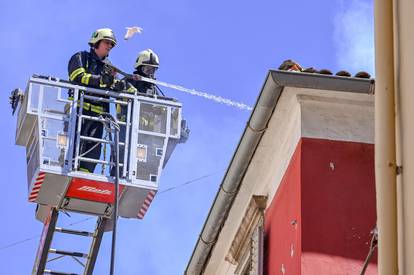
(255, 128)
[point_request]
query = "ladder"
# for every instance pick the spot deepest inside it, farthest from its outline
(79, 156)
(45, 250)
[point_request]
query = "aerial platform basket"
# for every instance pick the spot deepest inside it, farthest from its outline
(48, 126)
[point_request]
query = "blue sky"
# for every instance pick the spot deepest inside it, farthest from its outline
(220, 47)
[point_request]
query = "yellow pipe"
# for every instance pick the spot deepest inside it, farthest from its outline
(385, 167)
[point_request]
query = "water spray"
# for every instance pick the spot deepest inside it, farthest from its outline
(215, 98)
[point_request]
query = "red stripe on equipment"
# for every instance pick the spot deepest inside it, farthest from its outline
(142, 212)
(36, 188)
(38, 183)
(151, 195)
(33, 197)
(146, 204)
(149, 198)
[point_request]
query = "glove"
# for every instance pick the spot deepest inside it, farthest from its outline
(120, 85)
(107, 79)
(136, 77)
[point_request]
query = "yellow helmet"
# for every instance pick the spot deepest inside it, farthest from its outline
(148, 58)
(101, 34)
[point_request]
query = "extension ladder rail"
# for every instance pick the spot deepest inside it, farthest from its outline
(45, 250)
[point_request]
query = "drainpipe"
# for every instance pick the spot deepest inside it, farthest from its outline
(385, 152)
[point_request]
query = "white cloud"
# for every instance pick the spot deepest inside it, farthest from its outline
(354, 35)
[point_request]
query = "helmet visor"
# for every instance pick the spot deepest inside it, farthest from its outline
(110, 39)
(149, 70)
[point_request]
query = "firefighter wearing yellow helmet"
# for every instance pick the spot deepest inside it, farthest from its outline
(101, 34)
(88, 68)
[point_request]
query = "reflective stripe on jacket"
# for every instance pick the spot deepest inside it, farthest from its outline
(88, 106)
(85, 68)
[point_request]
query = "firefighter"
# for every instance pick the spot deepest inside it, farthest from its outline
(88, 68)
(146, 64)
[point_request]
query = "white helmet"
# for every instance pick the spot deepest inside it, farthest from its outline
(148, 58)
(102, 34)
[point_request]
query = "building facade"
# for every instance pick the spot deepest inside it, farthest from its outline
(299, 194)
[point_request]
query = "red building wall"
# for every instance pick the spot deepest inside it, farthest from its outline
(323, 210)
(282, 223)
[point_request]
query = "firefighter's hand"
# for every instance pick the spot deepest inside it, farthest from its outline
(120, 85)
(136, 77)
(107, 79)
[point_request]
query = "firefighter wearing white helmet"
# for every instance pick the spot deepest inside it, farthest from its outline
(146, 65)
(88, 68)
